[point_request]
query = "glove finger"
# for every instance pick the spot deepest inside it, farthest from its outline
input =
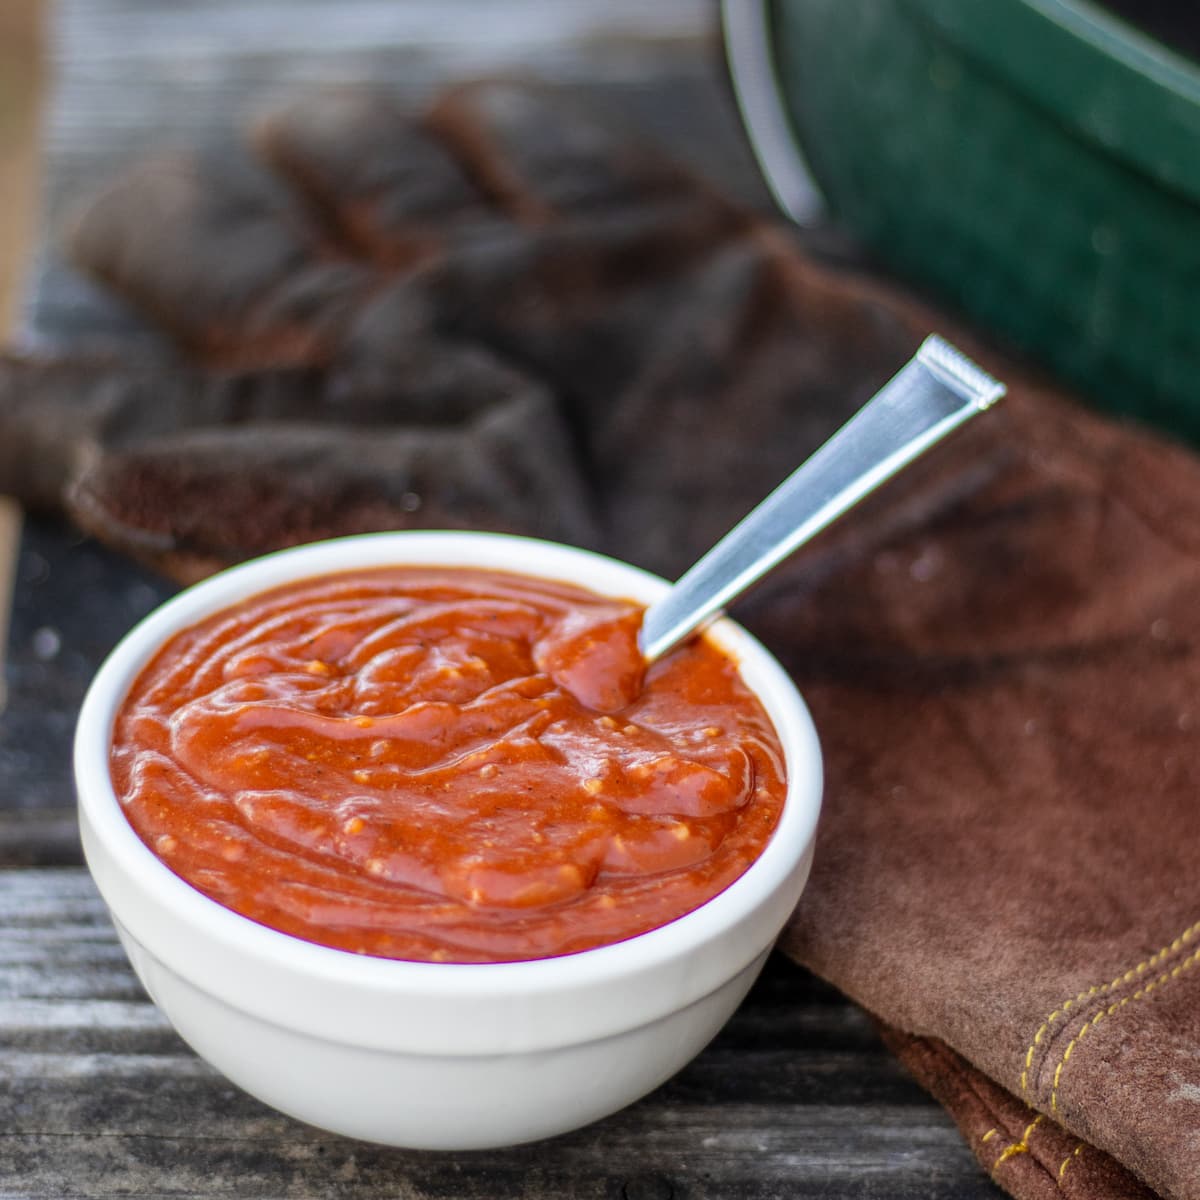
(56, 415)
(212, 254)
(191, 503)
(487, 154)
(52, 418)
(378, 183)
(762, 364)
(540, 156)
(578, 305)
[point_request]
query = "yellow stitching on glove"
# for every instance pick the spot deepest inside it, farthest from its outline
(1165, 977)
(1021, 1147)
(1066, 1162)
(1099, 989)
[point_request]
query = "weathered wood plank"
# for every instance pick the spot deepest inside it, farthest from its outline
(98, 1097)
(73, 601)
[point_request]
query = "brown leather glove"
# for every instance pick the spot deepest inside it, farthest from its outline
(502, 315)
(473, 319)
(1005, 869)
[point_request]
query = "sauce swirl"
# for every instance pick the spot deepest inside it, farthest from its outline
(446, 765)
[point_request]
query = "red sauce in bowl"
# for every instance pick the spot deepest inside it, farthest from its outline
(448, 765)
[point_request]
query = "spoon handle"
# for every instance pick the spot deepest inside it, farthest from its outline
(933, 394)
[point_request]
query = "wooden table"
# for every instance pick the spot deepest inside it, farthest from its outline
(97, 1096)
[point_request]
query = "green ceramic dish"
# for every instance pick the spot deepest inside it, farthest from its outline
(1036, 163)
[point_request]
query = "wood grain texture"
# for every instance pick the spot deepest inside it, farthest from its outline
(72, 602)
(98, 1097)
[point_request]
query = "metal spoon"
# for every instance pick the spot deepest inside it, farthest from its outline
(932, 395)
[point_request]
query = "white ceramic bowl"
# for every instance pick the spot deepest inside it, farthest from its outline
(438, 1055)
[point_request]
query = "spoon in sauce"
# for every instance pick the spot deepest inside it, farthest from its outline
(932, 395)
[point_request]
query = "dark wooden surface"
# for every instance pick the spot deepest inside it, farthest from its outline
(97, 1096)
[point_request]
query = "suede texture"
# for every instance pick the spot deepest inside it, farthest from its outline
(1007, 698)
(504, 314)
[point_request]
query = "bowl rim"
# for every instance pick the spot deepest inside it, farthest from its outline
(100, 810)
